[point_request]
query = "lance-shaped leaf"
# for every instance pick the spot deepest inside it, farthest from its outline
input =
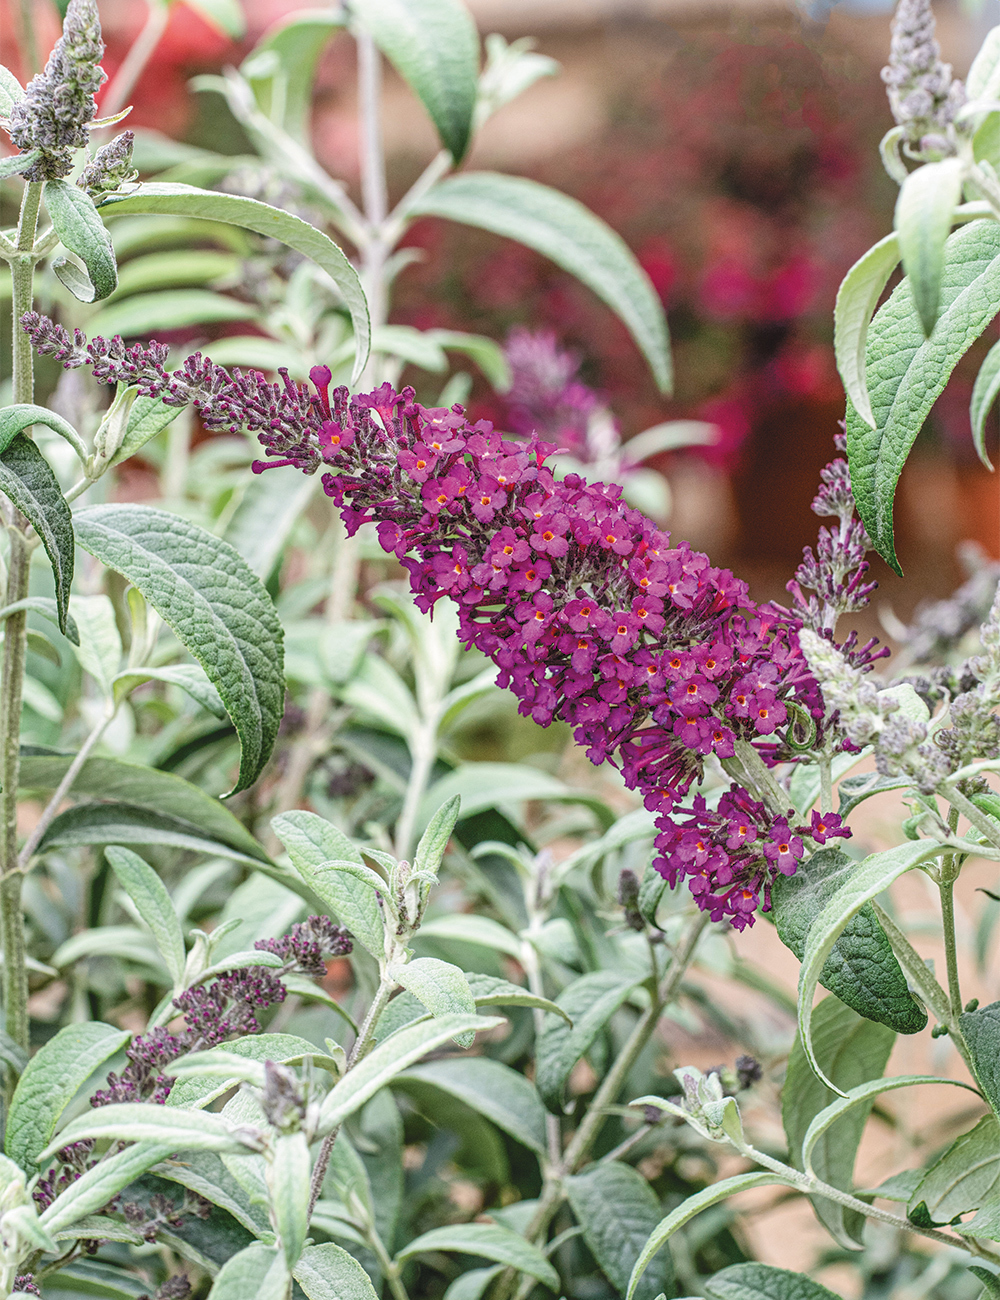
(259, 1271)
(984, 394)
(590, 1002)
(924, 212)
(492, 992)
(92, 1190)
(170, 309)
(47, 608)
(763, 1282)
(982, 1033)
(51, 1080)
(964, 1178)
(564, 230)
(687, 1210)
(288, 1178)
(188, 677)
(149, 894)
(862, 969)
(990, 1281)
(434, 46)
(505, 1097)
(332, 867)
(282, 65)
(490, 1241)
(868, 879)
(26, 479)
(328, 1272)
(11, 91)
(204, 1173)
(139, 1122)
(617, 1210)
(397, 1053)
(189, 201)
(907, 372)
(851, 1051)
(440, 986)
(857, 299)
(146, 417)
(15, 419)
(81, 230)
(179, 802)
(217, 607)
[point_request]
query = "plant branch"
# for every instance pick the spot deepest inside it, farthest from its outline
(14, 653)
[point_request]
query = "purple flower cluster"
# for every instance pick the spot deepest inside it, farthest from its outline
(546, 394)
(224, 1008)
(26, 1285)
(741, 842)
(654, 657)
(307, 945)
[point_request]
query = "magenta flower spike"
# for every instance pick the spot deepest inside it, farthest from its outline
(653, 656)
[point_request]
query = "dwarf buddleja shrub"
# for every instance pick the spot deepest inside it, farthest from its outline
(405, 1041)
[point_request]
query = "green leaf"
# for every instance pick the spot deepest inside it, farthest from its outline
(434, 46)
(51, 1080)
(857, 299)
(866, 881)
(204, 1173)
(488, 356)
(924, 213)
(92, 1190)
(15, 419)
(288, 1177)
(564, 230)
(328, 1272)
(440, 986)
(193, 1130)
(143, 787)
(224, 15)
(27, 480)
(850, 1051)
(990, 1281)
(146, 314)
(618, 1211)
(984, 394)
(503, 1096)
(11, 91)
(907, 372)
(47, 608)
(196, 1091)
(491, 992)
(147, 417)
(262, 522)
(314, 847)
(149, 894)
(81, 230)
(651, 889)
(861, 968)
(463, 927)
(188, 201)
(281, 67)
(964, 1178)
(397, 1053)
(861, 1096)
(472, 1285)
(687, 1210)
(177, 267)
(259, 1271)
(434, 840)
(89, 1277)
(763, 1282)
(188, 677)
(100, 648)
(982, 1034)
(590, 1002)
(491, 785)
(854, 790)
(491, 1242)
(218, 609)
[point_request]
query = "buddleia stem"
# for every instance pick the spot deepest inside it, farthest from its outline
(22, 269)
